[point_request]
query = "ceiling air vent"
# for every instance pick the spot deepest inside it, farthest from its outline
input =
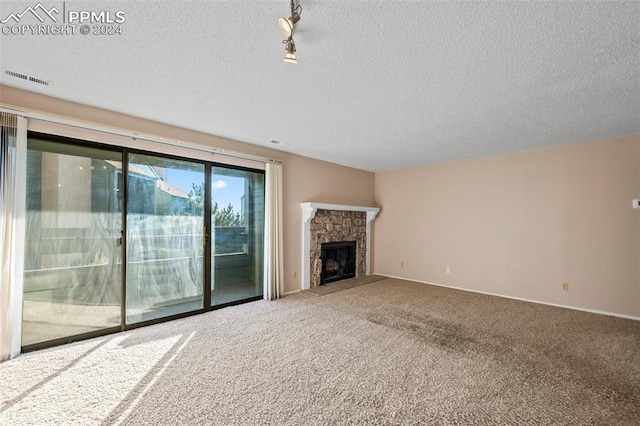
(27, 77)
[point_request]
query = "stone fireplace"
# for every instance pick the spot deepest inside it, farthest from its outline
(325, 225)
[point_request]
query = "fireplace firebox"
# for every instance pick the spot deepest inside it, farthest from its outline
(338, 261)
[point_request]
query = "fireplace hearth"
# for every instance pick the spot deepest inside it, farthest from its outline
(338, 261)
(334, 223)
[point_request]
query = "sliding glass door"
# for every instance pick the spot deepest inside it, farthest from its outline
(237, 219)
(117, 238)
(165, 237)
(73, 252)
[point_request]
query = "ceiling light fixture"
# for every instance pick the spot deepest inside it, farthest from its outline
(286, 26)
(290, 53)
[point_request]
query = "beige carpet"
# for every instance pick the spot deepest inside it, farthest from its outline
(343, 285)
(390, 352)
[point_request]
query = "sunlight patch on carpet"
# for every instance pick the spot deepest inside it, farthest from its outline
(92, 388)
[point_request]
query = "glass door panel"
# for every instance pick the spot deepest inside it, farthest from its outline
(165, 245)
(237, 220)
(73, 252)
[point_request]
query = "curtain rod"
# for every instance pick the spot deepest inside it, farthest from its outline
(130, 134)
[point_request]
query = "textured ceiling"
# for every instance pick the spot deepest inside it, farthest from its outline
(378, 85)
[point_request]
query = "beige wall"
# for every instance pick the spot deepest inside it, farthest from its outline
(304, 179)
(311, 180)
(520, 224)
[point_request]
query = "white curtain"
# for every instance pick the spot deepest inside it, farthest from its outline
(273, 271)
(13, 155)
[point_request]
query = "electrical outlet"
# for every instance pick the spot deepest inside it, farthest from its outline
(402, 264)
(565, 286)
(447, 269)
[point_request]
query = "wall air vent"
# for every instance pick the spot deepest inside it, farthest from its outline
(17, 75)
(27, 78)
(39, 81)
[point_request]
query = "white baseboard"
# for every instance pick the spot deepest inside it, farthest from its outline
(557, 305)
(291, 292)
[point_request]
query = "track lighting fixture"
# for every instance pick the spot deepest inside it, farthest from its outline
(286, 26)
(290, 53)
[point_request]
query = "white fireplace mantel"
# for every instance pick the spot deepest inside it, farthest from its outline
(308, 212)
